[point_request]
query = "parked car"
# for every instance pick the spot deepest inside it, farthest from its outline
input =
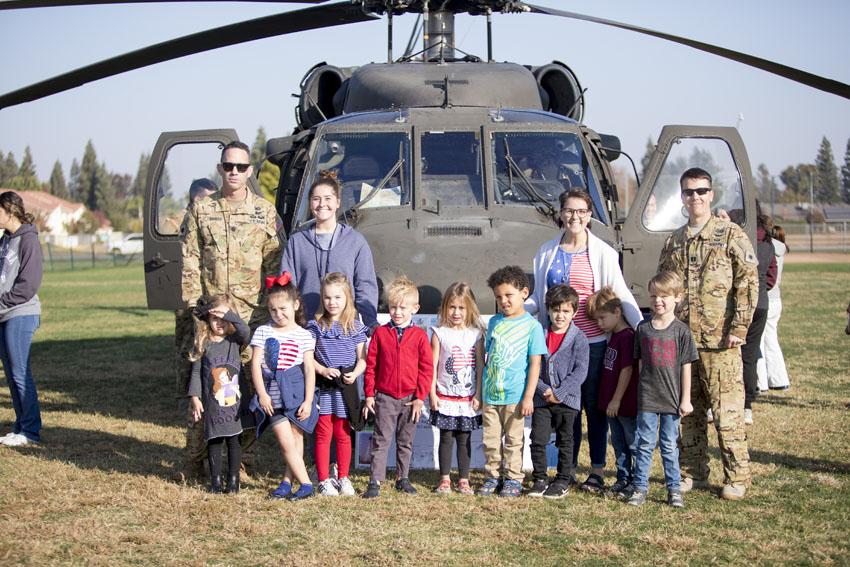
(130, 244)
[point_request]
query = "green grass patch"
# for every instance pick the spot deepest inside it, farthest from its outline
(100, 488)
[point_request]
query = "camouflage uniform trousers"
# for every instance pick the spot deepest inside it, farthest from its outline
(195, 452)
(717, 383)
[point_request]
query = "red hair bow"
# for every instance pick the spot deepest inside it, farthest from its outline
(281, 280)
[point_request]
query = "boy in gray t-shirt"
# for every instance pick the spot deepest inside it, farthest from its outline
(665, 348)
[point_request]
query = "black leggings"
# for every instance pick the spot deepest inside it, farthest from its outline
(234, 454)
(750, 354)
(464, 450)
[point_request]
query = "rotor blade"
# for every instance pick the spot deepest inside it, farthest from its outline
(821, 83)
(19, 4)
(268, 26)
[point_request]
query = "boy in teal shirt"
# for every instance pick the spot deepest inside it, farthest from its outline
(515, 345)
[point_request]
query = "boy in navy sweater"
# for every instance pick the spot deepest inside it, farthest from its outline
(558, 396)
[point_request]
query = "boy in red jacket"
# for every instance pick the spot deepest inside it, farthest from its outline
(399, 370)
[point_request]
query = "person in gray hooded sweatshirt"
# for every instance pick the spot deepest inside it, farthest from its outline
(20, 314)
(328, 246)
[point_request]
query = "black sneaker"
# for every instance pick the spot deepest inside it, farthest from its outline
(537, 489)
(373, 490)
(615, 489)
(557, 490)
(594, 484)
(627, 492)
(403, 485)
(674, 499)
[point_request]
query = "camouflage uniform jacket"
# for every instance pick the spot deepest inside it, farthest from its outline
(228, 248)
(718, 270)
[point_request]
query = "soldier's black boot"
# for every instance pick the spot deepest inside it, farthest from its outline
(215, 484)
(233, 484)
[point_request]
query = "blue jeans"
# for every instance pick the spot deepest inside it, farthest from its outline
(597, 421)
(623, 441)
(664, 428)
(15, 341)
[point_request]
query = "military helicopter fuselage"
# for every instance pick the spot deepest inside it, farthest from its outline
(446, 188)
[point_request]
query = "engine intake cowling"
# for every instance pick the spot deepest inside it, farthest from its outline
(562, 88)
(318, 88)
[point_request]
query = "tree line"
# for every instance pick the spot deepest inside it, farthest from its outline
(118, 196)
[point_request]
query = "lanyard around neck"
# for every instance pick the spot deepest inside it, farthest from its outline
(318, 247)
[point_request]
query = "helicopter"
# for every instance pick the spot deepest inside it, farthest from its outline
(452, 164)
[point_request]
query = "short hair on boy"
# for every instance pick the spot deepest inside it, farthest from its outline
(560, 294)
(666, 283)
(512, 275)
(603, 301)
(400, 289)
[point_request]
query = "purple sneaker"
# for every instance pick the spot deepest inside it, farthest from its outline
(511, 489)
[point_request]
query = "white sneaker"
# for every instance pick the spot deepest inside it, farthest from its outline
(327, 488)
(16, 440)
(748, 416)
(10, 434)
(345, 487)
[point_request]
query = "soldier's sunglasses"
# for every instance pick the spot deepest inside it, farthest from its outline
(240, 167)
(699, 191)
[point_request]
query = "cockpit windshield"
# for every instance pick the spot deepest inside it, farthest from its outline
(534, 168)
(451, 169)
(373, 167)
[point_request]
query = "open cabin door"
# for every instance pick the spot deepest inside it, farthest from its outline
(178, 159)
(658, 208)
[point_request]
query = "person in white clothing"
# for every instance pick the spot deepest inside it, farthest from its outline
(772, 373)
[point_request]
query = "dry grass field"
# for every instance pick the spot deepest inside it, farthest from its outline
(99, 490)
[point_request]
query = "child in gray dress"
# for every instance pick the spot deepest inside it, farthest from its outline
(220, 336)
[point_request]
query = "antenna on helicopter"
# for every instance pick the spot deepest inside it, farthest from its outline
(389, 33)
(489, 35)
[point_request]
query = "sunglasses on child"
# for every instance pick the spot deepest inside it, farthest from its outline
(240, 167)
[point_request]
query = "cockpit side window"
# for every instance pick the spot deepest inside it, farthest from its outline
(538, 166)
(362, 162)
(664, 209)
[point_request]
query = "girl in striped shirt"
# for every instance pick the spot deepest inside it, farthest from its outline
(285, 381)
(340, 359)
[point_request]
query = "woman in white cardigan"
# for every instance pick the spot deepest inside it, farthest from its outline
(581, 260)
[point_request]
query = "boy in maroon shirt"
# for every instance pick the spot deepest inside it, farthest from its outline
(618, 385)
(399, 370)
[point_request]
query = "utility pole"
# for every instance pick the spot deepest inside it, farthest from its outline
(811, 214)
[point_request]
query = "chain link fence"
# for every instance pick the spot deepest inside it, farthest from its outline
(95, 255)
(818, 237)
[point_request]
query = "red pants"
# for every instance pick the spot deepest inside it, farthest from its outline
(331, 426)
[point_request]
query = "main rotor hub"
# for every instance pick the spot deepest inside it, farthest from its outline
(472, 7)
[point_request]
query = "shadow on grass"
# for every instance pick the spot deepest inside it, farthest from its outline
(792, 402)
(125, 377)
(104, 451)
(137, 311)
(799, 463)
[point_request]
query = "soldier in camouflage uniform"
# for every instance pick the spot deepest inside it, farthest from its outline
(716, 262)
(230, 244)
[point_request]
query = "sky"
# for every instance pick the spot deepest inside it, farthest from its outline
(636, 84)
